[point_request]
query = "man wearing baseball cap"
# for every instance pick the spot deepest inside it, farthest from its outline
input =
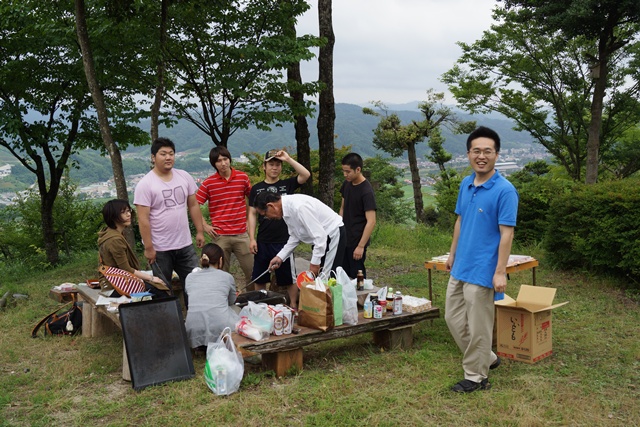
(273, 234)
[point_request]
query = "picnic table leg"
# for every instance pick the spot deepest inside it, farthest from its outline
(282, 361)
(400, 337)
(87, 316)
(126, 373)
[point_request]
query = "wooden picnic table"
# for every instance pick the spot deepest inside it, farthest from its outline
(281, 353)
(97, 321)
(516, 263)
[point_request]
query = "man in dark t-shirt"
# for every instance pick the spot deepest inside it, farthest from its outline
(273, 234)
(358, 211)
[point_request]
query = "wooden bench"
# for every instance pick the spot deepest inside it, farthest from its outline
(97, 321)
(283, 352)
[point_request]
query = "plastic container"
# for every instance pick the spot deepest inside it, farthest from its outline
(368, 309)
(221, 380)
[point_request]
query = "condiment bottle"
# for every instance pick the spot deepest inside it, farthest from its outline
(360, 281)
(397, 303)
(390, 297)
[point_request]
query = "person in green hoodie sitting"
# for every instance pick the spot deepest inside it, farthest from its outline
(115, 251)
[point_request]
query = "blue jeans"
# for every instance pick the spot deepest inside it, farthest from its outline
(182, 261)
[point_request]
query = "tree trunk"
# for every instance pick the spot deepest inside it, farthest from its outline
(326, 112)
(415, 180)
(101, 109)
(48, 229)
(301, 126)
(593, 141)
(157, 102)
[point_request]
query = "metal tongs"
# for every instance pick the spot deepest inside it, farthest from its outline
(268, 270)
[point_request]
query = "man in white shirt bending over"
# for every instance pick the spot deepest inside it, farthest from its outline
(308, 221)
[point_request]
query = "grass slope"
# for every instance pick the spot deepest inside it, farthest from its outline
(591, 380)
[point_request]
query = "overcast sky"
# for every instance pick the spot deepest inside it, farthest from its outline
(394, 50)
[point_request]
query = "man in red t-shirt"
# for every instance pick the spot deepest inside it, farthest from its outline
(226, 191)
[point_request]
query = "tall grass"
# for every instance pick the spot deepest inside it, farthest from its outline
(591, 380)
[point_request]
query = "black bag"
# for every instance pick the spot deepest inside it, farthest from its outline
(66, 323)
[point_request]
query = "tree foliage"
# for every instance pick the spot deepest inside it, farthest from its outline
(227, 63)
(611, 25)
(561, 70)
(395, 138)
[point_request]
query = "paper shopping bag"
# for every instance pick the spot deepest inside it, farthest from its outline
(315, 309)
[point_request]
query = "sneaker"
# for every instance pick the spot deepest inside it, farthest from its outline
(495, 364)
(468, 386)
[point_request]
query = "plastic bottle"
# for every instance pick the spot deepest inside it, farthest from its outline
(360, 281)
(368, 308)
(397, 303)
(221, 380)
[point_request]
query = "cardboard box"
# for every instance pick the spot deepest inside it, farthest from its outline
(525, 325)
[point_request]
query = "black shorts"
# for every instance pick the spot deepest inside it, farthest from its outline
(285, 275)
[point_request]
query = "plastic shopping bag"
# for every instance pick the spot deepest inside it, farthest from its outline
(224, 368)
(349, 298)
(258, 315)
(336, 295)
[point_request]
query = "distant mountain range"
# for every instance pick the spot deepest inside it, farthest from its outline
(352, 127)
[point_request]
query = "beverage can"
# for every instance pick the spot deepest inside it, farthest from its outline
(278, 323)
(377, 311)
(287, 319)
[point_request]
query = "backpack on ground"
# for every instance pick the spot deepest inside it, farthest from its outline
(65, 323)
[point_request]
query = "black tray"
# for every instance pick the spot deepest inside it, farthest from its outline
(267, 297)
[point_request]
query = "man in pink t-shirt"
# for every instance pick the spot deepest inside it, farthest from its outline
(162, 199)
(227, 191)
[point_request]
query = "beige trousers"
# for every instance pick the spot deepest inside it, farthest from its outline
(238, 244)
(469, 313)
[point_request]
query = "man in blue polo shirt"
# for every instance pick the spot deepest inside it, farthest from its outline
(487, 208)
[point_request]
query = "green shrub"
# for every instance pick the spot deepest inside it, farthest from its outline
(76, 223)
(597, 227)
(447, 188)
(535, 196)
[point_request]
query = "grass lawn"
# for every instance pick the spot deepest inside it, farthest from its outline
(592, 379)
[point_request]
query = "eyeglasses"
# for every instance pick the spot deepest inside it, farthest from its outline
(476, 152)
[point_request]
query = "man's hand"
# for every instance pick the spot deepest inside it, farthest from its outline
(500, 282)
(150, 254)
(315, 269)
(200, 239)
(253, 246)
(448, 265)
(211, 231)
(275, 263)
(357, 253)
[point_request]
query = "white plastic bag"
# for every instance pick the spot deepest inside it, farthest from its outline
(349, 298)
(224, 368)
(258, 315)
(245, 328)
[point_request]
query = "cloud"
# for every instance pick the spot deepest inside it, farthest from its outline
(394, 50)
